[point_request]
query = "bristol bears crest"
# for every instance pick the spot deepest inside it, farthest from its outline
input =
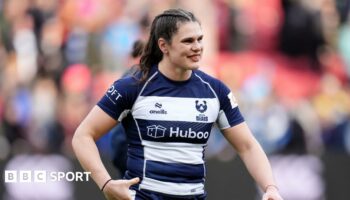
(201, 107)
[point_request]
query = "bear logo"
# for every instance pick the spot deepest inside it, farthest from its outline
(201, 107)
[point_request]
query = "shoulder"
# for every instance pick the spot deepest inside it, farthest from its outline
(215, 83)
(132, 71)
(127, 85)
(130, 80)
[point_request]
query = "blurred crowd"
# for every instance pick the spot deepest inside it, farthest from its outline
(287, 61)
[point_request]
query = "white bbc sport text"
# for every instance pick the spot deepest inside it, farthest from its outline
(41, 176)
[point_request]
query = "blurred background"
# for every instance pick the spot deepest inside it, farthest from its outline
(287, 62)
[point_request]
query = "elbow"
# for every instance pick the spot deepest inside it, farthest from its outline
(81, 136)
(77, 139)
(248, 147)
(244, 148)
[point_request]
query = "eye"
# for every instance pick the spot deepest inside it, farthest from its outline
(200, 39)
(188, 40)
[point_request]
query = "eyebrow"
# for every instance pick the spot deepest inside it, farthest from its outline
(191, 38)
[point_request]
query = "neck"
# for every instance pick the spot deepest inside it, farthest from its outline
(173, 72)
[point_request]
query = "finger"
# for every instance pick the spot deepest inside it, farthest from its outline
(265, 197)
(133, 181)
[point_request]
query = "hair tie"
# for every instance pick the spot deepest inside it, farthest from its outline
(104, 185)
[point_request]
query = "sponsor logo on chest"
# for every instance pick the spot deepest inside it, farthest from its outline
(158, 131)
(158, 109)
(194, 110)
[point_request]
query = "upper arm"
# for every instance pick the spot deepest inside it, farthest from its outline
(231, 121)
(113, 107)
(96, 123)
(240, 137)
(229, 113)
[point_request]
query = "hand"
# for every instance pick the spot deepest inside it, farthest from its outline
(119, 189)
(272, 194)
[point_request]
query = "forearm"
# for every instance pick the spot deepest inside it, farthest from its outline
(254, 159)
(258, 165)
(87, 153)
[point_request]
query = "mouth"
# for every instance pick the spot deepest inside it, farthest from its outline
(195, 58)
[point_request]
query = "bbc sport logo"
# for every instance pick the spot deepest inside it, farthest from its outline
(42, 176)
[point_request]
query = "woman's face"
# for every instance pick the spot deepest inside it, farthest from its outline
(186, 47)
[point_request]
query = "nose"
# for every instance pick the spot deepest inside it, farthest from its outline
(197, 46)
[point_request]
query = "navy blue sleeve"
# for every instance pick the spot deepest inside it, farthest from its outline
(229, 114)
(119, 98)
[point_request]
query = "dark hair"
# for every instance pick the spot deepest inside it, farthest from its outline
(163, 26)
(137, 49)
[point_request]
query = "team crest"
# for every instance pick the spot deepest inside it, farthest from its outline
(201, 107)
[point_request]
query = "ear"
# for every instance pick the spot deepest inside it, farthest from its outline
(163, 45)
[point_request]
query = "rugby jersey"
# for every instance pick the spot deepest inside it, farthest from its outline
(168, 124)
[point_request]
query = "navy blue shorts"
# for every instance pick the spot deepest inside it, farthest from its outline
(150, 195)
